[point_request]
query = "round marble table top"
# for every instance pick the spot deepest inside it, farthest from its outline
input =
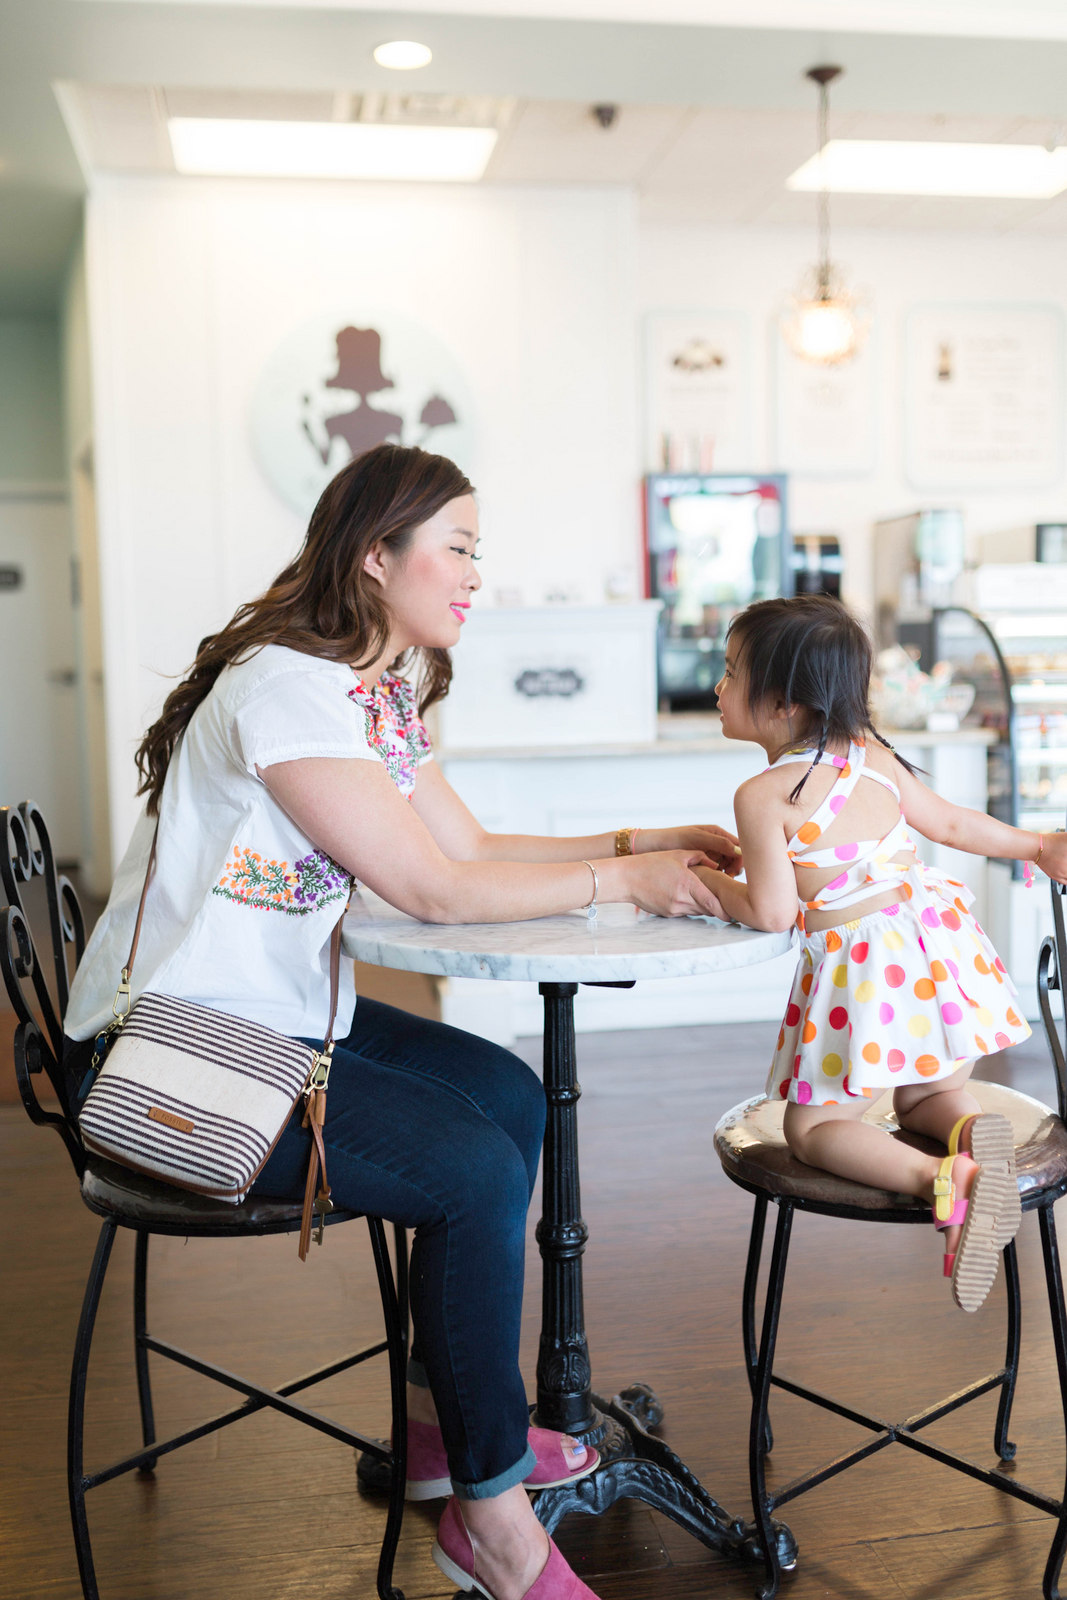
(622, 943)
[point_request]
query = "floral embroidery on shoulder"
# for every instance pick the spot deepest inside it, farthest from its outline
(394, 728)
(306, 886)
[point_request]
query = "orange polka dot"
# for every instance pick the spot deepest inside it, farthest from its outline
(846, 770)
(805, 982)
(781, 1039)
(871, 1053)
(810, 1030)
(993, 973)
(809, 832)
(926, 1066)
(980, 1042)
(938, 971)
(906, 890)
(981, 964)
(924, 989)
(1013, 1018)
(833, 940)
(958, 903)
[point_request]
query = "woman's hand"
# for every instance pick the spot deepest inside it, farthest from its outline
(721, 848)
(663, 882)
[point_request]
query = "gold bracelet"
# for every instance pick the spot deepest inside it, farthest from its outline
(1040, 847)
(624, 841)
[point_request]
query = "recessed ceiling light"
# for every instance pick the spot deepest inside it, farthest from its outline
(403, 55)
(900, 166)
(231, 147)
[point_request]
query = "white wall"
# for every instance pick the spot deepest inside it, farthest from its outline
(192, 286)
(754, 270)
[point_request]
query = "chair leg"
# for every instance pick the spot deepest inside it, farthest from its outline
(400, 1251)
(396, 1334)
(1054, 1283)
(759, 1430)
(1001, 1443)
(140, 1333)
(748, 1304)
(76, 1411)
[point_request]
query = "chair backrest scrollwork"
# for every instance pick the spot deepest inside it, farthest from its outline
(1052, 974)
(27, 854)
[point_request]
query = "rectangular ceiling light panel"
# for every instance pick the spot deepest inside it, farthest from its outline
(229, 147)
(900, 166)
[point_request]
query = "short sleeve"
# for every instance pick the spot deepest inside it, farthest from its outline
(297, 715)
(410, 725)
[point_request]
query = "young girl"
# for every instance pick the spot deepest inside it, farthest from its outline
(897, 987)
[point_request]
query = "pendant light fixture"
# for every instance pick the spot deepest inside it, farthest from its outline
(824, 323)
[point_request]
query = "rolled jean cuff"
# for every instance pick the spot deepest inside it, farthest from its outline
(417, 1374)
(503, 1480)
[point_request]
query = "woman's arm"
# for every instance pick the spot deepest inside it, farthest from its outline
(461, 836)
(975, 831)
(353, 811)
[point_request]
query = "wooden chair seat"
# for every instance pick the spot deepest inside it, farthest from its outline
(134, 1200)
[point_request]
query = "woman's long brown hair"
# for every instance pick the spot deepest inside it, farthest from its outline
(323, 603)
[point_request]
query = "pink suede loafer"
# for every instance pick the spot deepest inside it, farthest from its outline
(454, 1553)
(428, 1477)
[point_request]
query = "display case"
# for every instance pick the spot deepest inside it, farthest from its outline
(1035, 648)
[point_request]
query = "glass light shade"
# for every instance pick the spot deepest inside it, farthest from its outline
(824, 323)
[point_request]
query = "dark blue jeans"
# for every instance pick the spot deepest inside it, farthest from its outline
(441, 1131)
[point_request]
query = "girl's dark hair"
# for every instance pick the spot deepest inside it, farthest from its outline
(323, 603)
(809, 651)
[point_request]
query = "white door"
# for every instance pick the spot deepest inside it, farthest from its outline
(39, 752)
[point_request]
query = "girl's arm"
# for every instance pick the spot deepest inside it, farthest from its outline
(352, 810)
(977, 832)
(461, 836)
(768, 898)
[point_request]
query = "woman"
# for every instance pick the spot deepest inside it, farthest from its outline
(288, 764)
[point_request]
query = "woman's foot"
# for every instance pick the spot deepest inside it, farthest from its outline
(559, 1460)
(498, 1549)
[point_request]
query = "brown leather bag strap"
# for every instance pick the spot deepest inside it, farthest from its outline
(140, 908)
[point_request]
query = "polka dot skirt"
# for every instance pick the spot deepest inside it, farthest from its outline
(901, 996)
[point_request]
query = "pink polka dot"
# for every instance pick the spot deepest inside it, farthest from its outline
(885, 1013)
(890, 911)
(951, 919)
(1003, 1040)
(952, 967)
(803, 1093)
(838, 761)
(792, 1015)
(838, 882)
(836, 802)
(838, 1017)
(999, 965)
(895, 1060)
(861, 951)
(930, 917)
(895, 976)
(845, 852)
(922, 946)
(951, 1012)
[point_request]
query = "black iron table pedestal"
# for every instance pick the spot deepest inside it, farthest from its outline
(634, 1464)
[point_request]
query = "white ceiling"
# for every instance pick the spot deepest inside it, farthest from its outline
(687, 163)
(713, 117)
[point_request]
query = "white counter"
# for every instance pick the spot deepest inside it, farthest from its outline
(689, 773)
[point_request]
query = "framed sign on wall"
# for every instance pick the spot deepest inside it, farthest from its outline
(983, 396)
(825, 417)
(698, 392)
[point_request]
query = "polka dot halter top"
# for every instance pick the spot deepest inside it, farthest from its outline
(867, 865)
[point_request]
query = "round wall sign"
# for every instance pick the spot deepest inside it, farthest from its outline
(339, 385)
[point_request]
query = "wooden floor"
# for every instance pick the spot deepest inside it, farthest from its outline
(270, 1511)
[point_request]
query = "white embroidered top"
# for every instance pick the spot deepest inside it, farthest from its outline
(241, 905)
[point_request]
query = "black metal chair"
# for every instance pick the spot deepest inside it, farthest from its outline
(751, 1145)
(124, 1199)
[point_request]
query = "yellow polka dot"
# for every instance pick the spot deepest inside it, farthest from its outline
(865, 990)
(893, 940)
(832, 1065)
(984, 1015)
(919, 1027)
(839, 976)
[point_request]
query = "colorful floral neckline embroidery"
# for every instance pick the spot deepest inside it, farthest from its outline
(306, 886)
(394, 727)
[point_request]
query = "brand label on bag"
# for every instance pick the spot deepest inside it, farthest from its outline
(155, 1114)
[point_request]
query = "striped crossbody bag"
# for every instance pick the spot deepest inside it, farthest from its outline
(199, 1098)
